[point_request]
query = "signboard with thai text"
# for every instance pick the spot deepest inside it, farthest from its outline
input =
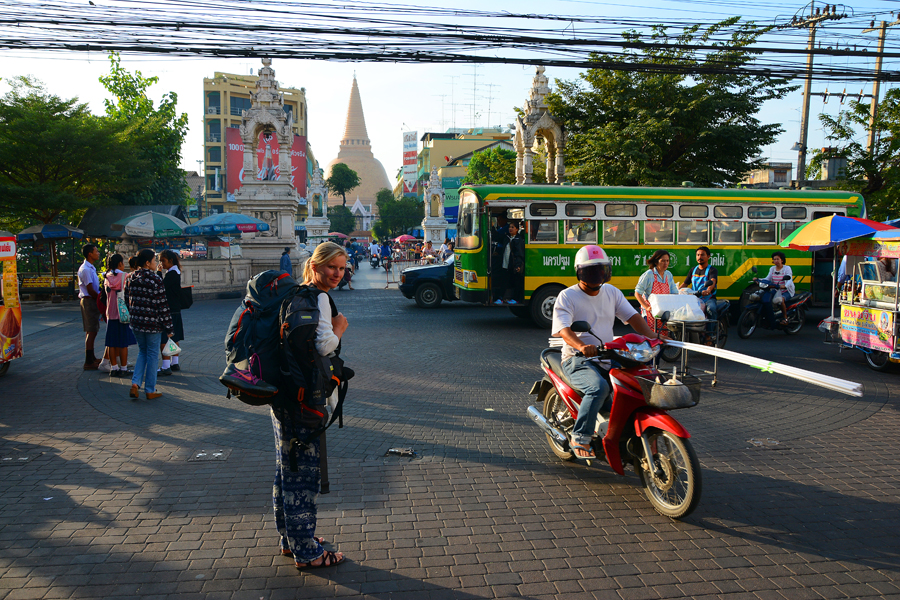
(868, 327)
(409, 163)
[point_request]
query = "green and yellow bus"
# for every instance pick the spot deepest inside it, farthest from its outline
(742, 227)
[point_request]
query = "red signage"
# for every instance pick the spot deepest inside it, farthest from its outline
(267, 161)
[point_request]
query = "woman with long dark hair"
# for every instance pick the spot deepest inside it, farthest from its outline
(150, 319)
(118, 335)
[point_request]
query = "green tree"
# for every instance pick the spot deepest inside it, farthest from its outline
(57, 159)
(157, 132)
(875, 175)
(655, 127)
(396, 216)
(498, 165)
(342, 180)
(341, 218)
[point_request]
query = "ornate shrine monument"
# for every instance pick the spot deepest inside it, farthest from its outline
(539, 122)
(317, 223)
(272, 200)
(434, 224)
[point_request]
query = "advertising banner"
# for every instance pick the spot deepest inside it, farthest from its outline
(266, 161)
(409, 163)
(868, 327)
(10, 310)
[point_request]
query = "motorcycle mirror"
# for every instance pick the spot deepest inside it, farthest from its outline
(754, 269)
(581, 327)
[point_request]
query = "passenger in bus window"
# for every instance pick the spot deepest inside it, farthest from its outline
(702, 279)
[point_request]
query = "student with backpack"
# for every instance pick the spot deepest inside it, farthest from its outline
(118, 334)
(298, 475)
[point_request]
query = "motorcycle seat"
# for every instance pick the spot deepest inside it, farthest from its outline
(802, 296)
(552, 359)
(722, 306)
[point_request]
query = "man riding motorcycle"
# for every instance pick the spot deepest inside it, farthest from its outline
(599, 304)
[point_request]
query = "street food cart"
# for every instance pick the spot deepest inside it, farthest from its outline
(869, 301)
(10, 309)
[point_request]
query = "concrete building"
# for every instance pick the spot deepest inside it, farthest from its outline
(772, 175)
(356, 153)
(225, 97)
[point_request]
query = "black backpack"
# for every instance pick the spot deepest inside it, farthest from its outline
(308, 378)
(252, 344)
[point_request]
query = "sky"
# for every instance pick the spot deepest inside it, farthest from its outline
(432, 97)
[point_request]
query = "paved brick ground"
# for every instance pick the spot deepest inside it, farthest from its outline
(98, 497)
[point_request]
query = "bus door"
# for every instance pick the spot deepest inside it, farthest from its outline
(499, 218)
(822, 267)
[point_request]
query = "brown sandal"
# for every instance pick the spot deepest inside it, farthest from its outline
(287, 551)
(329, 559)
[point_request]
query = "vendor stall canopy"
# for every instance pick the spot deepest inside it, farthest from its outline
(98, 221)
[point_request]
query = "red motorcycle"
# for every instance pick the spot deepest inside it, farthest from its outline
(635, 428)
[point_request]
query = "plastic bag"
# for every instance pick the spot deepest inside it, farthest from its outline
(680, 307)
(171, 349)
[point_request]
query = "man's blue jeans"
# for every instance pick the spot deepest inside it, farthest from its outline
(585, 374)
(147, 360)
(712, 313)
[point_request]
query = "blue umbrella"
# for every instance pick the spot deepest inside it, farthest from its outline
(226, 223)
(51, 231)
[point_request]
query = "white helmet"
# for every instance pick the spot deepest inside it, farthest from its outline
(592, 266)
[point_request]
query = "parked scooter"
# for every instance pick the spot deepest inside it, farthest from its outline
(697, 333)
(760, 312)
(634, 427)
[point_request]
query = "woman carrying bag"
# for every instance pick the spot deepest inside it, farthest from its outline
(295, 492)
(657, 280)
(150, 318)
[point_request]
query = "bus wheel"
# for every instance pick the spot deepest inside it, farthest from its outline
(541, 305)
(520, 311)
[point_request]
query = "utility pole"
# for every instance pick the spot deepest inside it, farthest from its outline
(876, 85)
(200, 189)
(816, 16)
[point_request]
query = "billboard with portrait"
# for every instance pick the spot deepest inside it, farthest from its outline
(266, 161)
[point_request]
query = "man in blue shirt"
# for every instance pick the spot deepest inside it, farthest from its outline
(704, 278)
(88, 290)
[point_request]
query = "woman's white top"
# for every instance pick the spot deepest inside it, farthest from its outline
(777, 277)
(326, 340)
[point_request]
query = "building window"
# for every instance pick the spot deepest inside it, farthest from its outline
(215, 154)
(215, 131)
(240, 104)
(780, 176)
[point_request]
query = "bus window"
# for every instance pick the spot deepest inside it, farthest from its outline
(761, 212)
(620, 232)
(693, 232)
(542, 210)
(581, 210)
(789, 228)
(542, 232)
(726, 233)
(793, 213)
(660, 211)
(693, 212)
(728, 212)
(469, 237)
(659, 232)
(581, 231)
(621, 210)
(760, 233)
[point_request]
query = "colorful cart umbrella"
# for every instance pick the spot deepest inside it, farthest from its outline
(828, 231)
(151, 225)
(338, 234)
(214, 225)
(405, 238)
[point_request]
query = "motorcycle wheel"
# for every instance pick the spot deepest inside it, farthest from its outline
(676, 492)
(795, 322)
(747, 323)
(878, 361)
(557, 413)
(671, 354)
(723, 333)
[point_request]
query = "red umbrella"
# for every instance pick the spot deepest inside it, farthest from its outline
(405, 238)
(338, 234)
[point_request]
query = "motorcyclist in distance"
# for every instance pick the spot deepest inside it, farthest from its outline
(777, 273)
(598, 303)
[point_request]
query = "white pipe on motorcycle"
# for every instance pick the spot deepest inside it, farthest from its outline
(541, 422)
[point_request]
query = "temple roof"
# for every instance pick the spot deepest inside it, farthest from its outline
(355, 125)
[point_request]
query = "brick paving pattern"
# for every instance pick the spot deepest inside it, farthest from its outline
(99, 497)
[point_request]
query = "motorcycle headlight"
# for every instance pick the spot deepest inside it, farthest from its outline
(642, 352)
